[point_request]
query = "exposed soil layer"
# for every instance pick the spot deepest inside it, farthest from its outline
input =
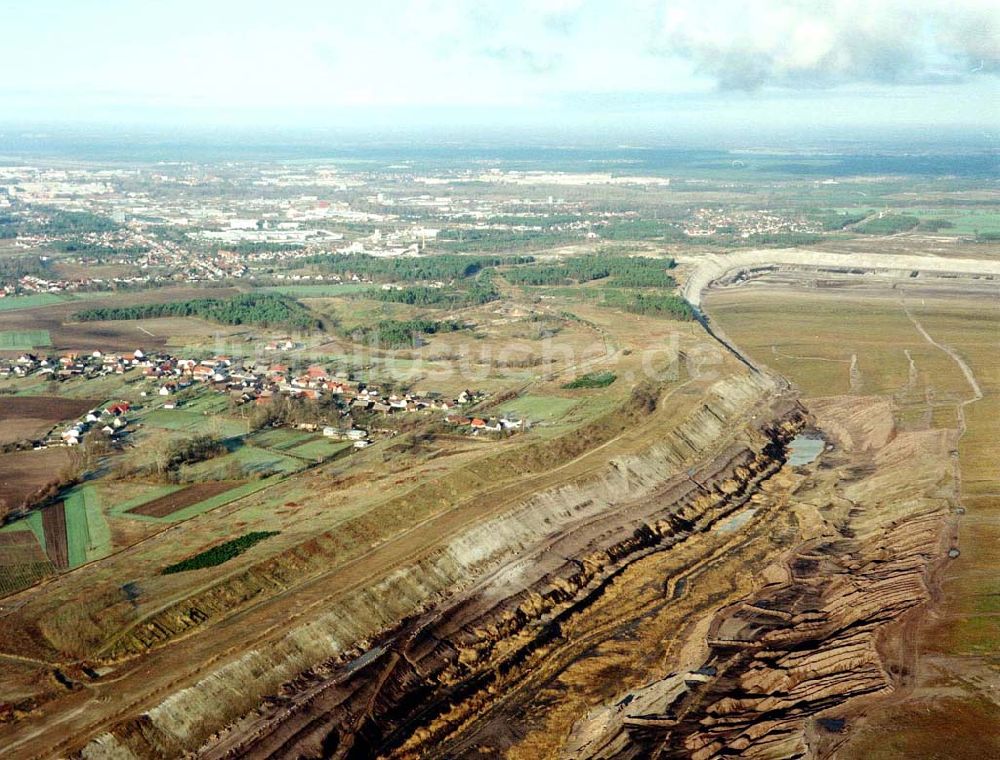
(178, 500)
(771, 674)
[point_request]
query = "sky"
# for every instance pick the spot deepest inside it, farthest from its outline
(694, 64)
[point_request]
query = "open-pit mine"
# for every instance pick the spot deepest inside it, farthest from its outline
(765, 540)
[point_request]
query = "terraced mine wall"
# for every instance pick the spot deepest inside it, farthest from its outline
(785, 665)
(411, 695)
(346, 682)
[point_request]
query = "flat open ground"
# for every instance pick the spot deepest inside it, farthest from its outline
(24, 340)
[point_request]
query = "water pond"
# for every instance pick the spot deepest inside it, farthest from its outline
(804, 448)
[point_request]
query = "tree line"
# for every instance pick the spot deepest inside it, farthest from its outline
(266, 309)
(98, 249)
(502, 240)
(669, 305)
(408, 333)
(405, 269)
(478, 292)
(628, 271)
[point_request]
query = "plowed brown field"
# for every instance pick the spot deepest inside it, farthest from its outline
(178, 500)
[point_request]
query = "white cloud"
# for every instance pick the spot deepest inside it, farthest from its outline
(487, 53)
(745, 44)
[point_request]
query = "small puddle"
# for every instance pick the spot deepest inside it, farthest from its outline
(365, 659)
(804, 448)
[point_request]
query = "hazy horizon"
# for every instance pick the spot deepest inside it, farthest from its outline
(577, 66)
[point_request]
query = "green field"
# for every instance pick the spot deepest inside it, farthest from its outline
(210, 402)
(33, 301)
(194, 422)
(280, 438)
(538, 408)
(11, 303)
(320, 448)
(250, 460)
(34, 521)
(88, 532)
(964, 221)
(325, 290)
(24, 340)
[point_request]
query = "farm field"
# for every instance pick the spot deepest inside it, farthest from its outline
(22, 473)
(30, 417)
(22, 560)
(71, 531)
(124, 497)
(242, 462)
(193, 422)
(56, 538)
(319, 448)
(279, 438)
(326, 290)
(54, 314)
(180, 498)
(24, 340)
(13, 303)
(217, 496)
(89, 535)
